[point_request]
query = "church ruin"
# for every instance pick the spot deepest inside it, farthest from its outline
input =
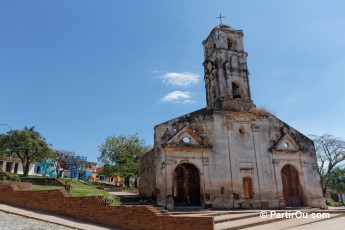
(230, 154)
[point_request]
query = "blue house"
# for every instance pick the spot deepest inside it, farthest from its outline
(82, 170)
(45, 168)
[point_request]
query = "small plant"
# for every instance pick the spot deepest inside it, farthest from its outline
(260, 112)
(106, 200)
(68, 185)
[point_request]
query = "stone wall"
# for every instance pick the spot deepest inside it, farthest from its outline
(91, 209)
(147, 173)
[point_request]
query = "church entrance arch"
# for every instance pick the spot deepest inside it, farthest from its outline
(292, 190)
(186, 185)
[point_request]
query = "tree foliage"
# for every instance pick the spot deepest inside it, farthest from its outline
(121, 155)
(27, 144)
(336, 180)
(330, 152)
(62, 158)
(109, 170)
(3, 150)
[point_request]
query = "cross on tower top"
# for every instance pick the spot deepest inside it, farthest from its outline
(220, 18)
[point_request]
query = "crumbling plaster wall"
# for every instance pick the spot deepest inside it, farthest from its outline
(147, 172)
(242, 145)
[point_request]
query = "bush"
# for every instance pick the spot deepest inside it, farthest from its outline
(9, 176)
(331, 202)
(68, 185)
(14, 177)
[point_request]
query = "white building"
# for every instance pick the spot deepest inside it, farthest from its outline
(14, 165)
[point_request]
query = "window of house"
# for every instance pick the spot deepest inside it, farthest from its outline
(247, 188)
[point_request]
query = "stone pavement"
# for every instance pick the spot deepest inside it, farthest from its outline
(68, 223)
(241, 219)
(333, 219)
(336, 222)
(120, 193)
(11, 221)
(326, 219)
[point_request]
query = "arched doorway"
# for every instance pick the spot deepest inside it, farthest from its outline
(186, 185)
(292, 191)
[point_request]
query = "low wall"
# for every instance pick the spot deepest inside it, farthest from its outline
(46, 181)
(91, 209)
(23, 186)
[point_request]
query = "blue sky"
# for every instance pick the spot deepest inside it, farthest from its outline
(83, 70)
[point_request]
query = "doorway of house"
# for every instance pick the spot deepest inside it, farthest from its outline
(292, 190)
(186, 185)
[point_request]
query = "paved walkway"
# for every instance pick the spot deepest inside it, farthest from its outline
(61, 221)
(336, 222)
(123, 193)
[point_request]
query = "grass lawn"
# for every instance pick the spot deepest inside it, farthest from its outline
(80, 189)
(41, 187)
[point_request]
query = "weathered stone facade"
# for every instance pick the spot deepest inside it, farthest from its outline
(230, 154)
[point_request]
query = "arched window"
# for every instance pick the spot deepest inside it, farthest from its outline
(236, 89)
(247, 188)
(230, 43)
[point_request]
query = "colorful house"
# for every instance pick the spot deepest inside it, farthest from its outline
(45, 168)
(82, 170)
(98, 176)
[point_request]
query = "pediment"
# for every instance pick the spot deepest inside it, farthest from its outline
(186, 136)
(286, 144)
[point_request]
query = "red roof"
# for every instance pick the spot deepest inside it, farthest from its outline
(99, 169)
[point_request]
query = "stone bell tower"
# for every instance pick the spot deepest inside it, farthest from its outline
(226, 73)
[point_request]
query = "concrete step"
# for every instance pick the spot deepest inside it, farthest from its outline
(243, 223)
(129, 198)
(233, 217)
(226, 222)
(188, 207)
(292, 223)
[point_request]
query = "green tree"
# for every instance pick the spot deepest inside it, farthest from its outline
(27, 144)
(3, 150)
(337, 181)
(109, 170)
(121, 155)
(330, 152)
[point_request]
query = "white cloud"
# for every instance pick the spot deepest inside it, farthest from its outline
(178, 97)
(180, 79)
